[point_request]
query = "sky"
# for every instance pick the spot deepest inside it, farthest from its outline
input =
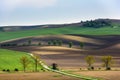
(38, 12)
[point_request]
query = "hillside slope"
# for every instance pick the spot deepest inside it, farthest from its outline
(90, 42)
(62, 30)
(97, 23)
(10, 59)
(64, 56)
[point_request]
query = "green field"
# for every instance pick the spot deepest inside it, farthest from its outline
(11, 59)
(62, 30)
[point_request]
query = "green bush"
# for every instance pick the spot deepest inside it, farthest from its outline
(3, 70)
(70, 44)
(16, 70)
(8, 70)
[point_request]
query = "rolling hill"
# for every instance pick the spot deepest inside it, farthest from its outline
(97, 46)
(96, 27)
(100, 37)
(10, 59)
(97, 23)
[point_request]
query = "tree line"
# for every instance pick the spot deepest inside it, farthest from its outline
(107, 62)
(96, 23)
(49, 43)
(90, 60)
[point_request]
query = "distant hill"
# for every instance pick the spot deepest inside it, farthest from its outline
(16, 28)
(98, 23)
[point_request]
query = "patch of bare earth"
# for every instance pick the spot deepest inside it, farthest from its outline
(71, 57)
(35, 76)
(106, 75)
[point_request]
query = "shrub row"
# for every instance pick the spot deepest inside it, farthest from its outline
(8, 70)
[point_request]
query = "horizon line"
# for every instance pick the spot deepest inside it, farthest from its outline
(55, 23)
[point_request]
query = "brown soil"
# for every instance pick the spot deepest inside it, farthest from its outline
(35, 76)
(70, 57)
(106, 75)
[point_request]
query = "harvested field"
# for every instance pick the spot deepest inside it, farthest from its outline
(106, 75)
(35, 76)
(73, 58)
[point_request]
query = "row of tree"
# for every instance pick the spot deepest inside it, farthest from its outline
(107, 61)
(25, 61)
(55, 43)
(50, 43)
(96, 23)
(60, 43)
(81, 44)
(7, 45)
